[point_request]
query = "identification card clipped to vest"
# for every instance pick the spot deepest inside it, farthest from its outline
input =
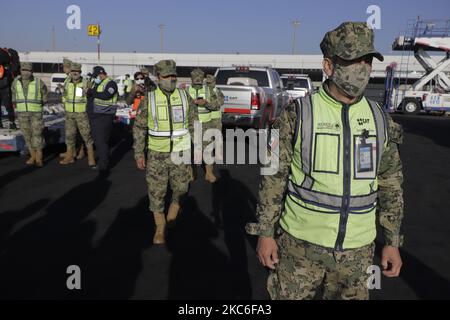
(365, 156)
(79, 92)
(178, 114)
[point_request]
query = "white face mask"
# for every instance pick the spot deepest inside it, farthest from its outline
(97, 80)
(140, 81)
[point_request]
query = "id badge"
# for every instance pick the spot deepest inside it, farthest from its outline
(177, 113)
(79, 92)
(364, 157)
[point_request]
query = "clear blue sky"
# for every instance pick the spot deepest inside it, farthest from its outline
(228, 26)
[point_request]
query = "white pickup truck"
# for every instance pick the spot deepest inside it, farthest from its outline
(254, 96)
(297, 85)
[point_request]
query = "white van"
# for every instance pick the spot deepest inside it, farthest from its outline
(56, 81)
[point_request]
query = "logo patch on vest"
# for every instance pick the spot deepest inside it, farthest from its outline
(329, 126)
(362, 121)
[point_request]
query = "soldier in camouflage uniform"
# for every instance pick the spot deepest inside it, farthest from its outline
(309, 239)
(75, 101)
(216, 116)
(67, 64)
(199, 90)
(29, 94)
(165, 121)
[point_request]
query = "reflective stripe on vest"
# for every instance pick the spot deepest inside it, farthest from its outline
(101, 88)
(72, 103)
(168, 124)
(33, 101)
(331, 201)
(204, 114)
(317, 208)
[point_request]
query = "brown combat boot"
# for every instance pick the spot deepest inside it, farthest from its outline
(32, 159)
(91, 156)
(209, 176)
(160, 222)
(63, 155)
(172, 215)
(68, 158)
(39, 160)
(81, 153)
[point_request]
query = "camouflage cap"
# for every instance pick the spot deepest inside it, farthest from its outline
(166, 68)
(210, 78)
(349, 41)
(197, 73)
(67, 62)
(26, 66)
(197, 76)
(75, 67)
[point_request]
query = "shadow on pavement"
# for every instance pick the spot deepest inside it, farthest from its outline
(34, 262)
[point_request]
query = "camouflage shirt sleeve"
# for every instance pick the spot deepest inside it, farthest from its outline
(390, 192)
(213, 103)
(130, 98)
(140, 130)
(13, 90)
(44, 92)
(272, 187)
(220, 97)
(193, 114)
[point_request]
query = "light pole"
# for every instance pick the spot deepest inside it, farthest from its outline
(161, 37)
(53, 39)
(295, 25)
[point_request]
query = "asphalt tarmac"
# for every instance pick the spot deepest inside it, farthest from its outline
(58, 216)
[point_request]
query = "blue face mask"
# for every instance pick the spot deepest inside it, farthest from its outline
(97, 80)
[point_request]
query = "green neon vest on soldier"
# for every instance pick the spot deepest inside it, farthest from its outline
(204, 114)
(128, 83)
(72, 103)
(216, 114)
(332, 196)
(168, 121)
(107, 103)
(33, 101)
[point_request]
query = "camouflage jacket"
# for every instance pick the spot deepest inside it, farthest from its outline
(140, 127)
(220, 96)
(390, 179)
(44, 91)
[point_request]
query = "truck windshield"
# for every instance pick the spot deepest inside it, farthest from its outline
(260, 76)
(295, 83)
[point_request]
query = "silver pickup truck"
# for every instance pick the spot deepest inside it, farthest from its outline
(254, 96)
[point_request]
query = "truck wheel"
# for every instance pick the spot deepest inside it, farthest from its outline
(411, 106)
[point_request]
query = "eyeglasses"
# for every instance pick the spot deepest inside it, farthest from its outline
(140, 78)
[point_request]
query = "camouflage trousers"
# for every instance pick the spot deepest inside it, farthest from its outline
(211, 142)
(32, 126)
(216, 123)
(80, 121)
(306, 270)
(162, 171)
